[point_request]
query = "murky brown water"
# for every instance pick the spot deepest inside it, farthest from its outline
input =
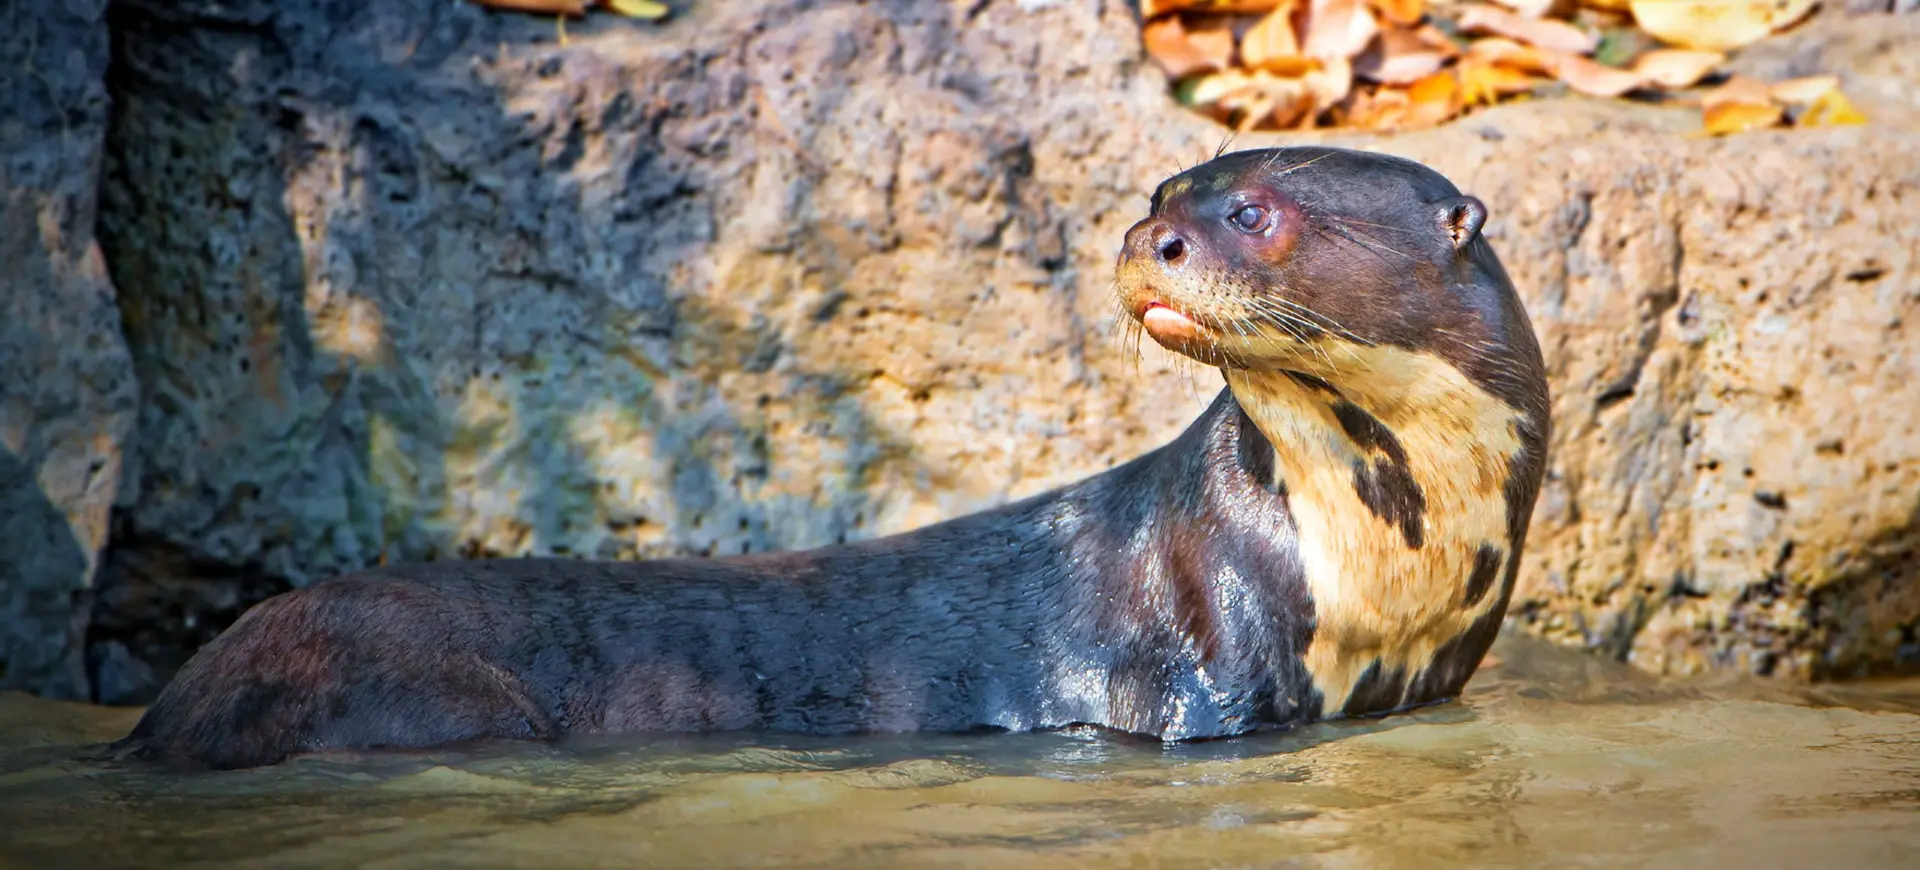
(1554, 760)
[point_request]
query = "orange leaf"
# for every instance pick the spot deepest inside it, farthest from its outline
(1725, 118)
(1402, 12)
(1676, 67)
(1484, 82)
(1592, 77)
(1543, 32)
(1270, 44)
(1337, 29)
(1182, 52)
(1435, 99)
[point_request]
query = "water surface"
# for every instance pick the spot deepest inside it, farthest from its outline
(1554, 759)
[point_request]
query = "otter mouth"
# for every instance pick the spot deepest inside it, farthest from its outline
(1166, 324)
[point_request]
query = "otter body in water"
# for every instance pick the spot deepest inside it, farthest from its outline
(1336, 535)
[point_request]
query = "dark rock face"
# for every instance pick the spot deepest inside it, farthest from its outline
(414, 279)
(67, 389)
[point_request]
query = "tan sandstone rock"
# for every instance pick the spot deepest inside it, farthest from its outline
(416, 280)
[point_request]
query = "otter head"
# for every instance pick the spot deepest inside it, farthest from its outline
(1370, 334)
(1297, 258)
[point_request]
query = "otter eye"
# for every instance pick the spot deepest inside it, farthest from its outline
(1250, 218)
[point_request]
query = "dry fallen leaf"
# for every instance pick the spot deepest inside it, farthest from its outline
(1803, 90)
(1484, 82)
(649, 10)
(1331, 82)
(1400, 57)
(1728, 118)
(1737, 106)
(572, 8)
(1608, 5)
(1716, 25)
(1182, 52)
(1529, 8)
(1543, 32)
(1270, 44)
(1437, 38)
(1150, 9)
(1337, 29)
(1592, 77)
(1506, 52)
(1435, 99)
(1738, 89)
(1831, 109)
(1676, 67)
(1403, 12)
(1249, 100)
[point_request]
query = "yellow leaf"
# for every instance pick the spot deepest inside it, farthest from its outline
(646, 9)
(1832, 109)
(1716, 25)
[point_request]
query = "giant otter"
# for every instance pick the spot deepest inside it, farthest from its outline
(1336, 535)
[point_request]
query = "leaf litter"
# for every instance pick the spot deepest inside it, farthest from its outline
(1388, 65)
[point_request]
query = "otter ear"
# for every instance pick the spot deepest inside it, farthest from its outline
(1462, 217)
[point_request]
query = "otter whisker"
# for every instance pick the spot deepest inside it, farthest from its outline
(1304, 164)
(1331, 325)
(1375, 245)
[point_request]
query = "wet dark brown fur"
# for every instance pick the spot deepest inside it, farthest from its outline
(1165, 597)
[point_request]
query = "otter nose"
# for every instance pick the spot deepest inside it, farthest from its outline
(1172, 249)
(1156, 239)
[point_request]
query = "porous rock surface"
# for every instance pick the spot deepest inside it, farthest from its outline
(67, 388)
(416, 279)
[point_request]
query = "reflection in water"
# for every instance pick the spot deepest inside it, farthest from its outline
(1554, 759)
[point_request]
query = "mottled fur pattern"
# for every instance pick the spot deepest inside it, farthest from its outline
(1372, 335)
(1336, 534)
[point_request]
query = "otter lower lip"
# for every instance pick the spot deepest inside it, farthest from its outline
(1166, 324)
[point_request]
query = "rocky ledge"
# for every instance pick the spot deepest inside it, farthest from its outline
(416, 279)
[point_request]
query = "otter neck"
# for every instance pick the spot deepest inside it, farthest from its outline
(1396, 471)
